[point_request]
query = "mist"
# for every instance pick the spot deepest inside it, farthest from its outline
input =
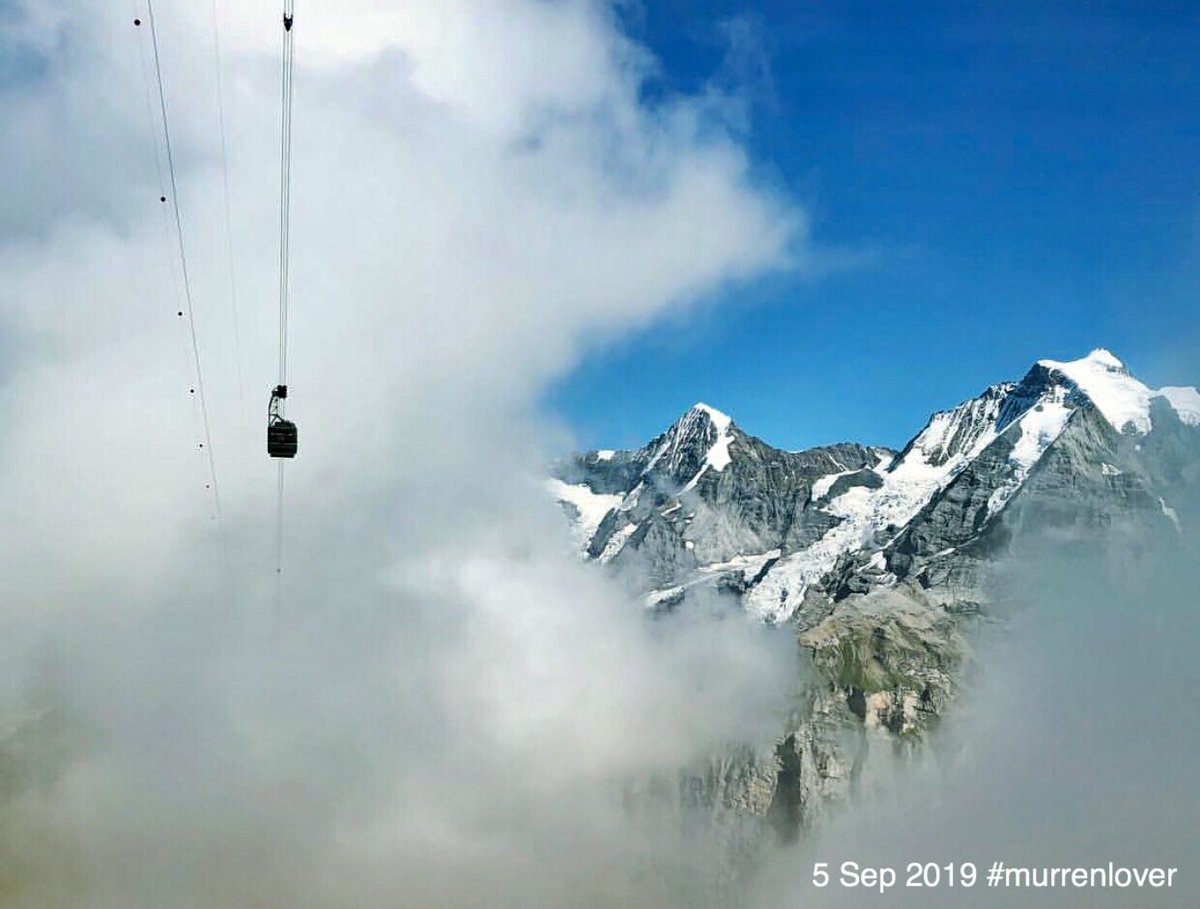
(439, 704)
(1072, 742)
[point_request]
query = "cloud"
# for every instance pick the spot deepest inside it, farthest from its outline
(442, 706)
(746, 67)
(1068, 746)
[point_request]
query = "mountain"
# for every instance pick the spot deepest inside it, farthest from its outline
(880, 560)
(706, 506)
(702, 503)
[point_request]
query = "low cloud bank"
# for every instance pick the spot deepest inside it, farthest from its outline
(1072, 746)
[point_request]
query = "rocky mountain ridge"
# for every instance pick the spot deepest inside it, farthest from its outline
(705, 505)
(880, 560)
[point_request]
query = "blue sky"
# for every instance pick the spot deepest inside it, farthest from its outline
(1015, 180)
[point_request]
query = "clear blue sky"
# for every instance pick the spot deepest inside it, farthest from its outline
(1024, 179)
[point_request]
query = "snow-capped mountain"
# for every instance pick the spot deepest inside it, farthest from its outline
(706, 506)
(879, 560)
(703, 501)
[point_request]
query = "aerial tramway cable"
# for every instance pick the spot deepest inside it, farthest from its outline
(206, 445)
(281, 432)
(233, 290)
(285, 186)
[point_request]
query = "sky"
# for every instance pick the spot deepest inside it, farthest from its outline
(985, 184)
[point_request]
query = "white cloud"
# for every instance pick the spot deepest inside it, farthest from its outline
(479, 194)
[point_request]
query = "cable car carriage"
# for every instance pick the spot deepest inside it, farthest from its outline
(282, 438)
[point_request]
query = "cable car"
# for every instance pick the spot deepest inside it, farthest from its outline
(282, 438)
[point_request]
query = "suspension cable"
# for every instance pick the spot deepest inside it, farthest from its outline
(285, 186)
(233, 291)
(183, 265)
(285, 235)
(279, 540)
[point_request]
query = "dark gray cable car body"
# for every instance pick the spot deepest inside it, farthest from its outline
(282, 437)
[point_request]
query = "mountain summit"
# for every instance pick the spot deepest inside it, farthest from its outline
(1124, 401)
(879, 559)
(706, 506)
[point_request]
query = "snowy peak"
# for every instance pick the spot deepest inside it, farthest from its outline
(1122, 399)
(704, 506)
(697, 442)
(718, 419)
(1185, 400)
(697, 421)
(953, 437)
(1103, 358)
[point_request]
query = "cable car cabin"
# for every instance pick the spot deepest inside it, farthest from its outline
(282, 437)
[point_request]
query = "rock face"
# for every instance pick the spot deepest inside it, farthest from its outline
(703, 502)
(879, 560)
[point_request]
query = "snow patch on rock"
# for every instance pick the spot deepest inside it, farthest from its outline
(590, 507)
(1171, 513)
(718, 456)
(865, 514)
(616, 543)
(822, 486)
(1039, 427)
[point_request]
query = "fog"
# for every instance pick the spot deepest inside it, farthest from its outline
(441, 705)
(1072, 743)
